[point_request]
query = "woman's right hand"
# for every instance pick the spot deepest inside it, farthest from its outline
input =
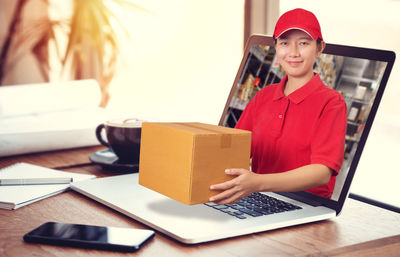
(245, 183)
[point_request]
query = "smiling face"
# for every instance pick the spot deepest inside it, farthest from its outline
(296, 52)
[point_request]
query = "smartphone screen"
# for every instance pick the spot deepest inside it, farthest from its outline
(88, 236)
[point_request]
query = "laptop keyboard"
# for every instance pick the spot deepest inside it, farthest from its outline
(255, 205)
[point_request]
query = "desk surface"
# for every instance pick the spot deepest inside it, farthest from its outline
(361, 229)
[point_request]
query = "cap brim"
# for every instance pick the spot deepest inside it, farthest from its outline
(286, 30)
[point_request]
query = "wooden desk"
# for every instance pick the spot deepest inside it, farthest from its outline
(361, 229)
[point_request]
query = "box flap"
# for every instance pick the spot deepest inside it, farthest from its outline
(202, 128)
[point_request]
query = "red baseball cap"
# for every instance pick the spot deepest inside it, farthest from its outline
(298, 19)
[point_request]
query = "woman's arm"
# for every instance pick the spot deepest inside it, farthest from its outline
(247, 182)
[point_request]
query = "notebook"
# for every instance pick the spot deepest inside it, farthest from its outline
(359, 74)
(16, 196)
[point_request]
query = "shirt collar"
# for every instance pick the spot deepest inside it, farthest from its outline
(300, 94)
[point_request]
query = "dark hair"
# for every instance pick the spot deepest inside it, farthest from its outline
(319, 46)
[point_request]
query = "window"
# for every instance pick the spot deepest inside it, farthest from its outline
(181, 60)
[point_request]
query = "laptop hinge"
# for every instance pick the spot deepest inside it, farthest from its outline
(301, 197)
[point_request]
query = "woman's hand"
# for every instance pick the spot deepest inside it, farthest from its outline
(247, 182)
(244, 184)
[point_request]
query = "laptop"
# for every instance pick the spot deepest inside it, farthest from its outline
(359, 74)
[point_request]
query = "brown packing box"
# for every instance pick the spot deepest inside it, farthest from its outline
(182, 160)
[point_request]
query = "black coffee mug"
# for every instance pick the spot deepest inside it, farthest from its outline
(123, 138)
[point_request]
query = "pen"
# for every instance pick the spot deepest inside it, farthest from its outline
(34, 181)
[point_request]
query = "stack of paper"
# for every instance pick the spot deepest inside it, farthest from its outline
(30, 188)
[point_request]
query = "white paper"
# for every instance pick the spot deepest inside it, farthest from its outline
(45, 117)
(48, 97)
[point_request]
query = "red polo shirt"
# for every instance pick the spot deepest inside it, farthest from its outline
(306, 127)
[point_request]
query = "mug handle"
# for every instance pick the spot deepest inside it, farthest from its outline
(99, 136)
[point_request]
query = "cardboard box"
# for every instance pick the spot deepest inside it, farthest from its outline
(182, 160)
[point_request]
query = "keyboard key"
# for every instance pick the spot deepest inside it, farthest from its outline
(237, 213)
(240, 217)
(251, 213)
(220, 207)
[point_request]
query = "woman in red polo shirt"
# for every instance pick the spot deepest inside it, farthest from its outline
(298, 125)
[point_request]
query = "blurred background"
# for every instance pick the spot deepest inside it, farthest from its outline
(175, 60)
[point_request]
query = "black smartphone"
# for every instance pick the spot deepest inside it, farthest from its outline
(88, 236)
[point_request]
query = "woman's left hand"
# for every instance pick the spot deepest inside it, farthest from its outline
(245, 183)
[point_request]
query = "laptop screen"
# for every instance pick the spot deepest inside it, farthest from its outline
(358, 74)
